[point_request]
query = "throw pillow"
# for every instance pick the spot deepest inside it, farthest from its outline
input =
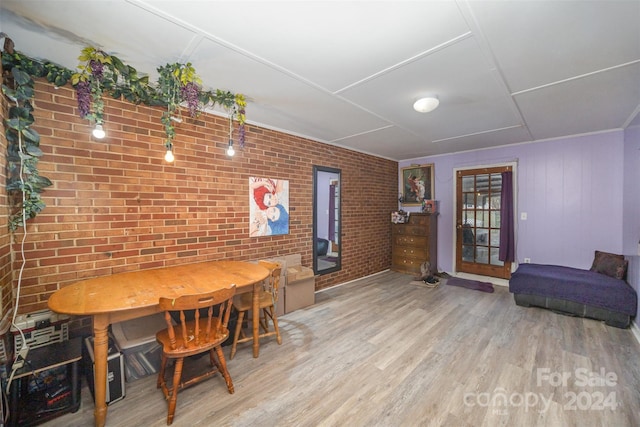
(612, 265)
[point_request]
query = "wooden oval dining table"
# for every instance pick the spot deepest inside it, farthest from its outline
(124, 296)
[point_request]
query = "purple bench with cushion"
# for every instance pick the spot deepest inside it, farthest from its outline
(584, 293)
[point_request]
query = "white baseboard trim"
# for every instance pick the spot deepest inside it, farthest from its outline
(344, 283)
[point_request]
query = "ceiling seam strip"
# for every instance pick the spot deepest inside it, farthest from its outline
(630, 119)
(581, 76)
(476, 133)
(485, 46)
(406, 61)
(363, 133)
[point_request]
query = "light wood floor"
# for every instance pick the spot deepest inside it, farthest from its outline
(383, 352)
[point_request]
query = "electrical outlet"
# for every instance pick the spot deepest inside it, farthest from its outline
(527, 260)
(20, 358)
(17, 364)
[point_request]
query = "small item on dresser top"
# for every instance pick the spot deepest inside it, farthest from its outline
(399, 217)
(430, 206)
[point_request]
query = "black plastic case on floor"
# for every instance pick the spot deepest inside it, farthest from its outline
(115, 370)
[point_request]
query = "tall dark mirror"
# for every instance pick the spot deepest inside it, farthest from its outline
(326, 220)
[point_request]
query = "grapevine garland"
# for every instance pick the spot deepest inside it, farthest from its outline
(98, 73)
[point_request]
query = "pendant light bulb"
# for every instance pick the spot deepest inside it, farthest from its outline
(98, 132)
(230, 150)
(168, 157)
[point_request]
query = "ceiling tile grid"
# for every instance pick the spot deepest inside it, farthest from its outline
(347, 73)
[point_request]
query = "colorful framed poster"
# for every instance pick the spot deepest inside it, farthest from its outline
(268, 207)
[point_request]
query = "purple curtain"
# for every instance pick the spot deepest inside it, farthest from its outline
(507, 239)
(332, 212)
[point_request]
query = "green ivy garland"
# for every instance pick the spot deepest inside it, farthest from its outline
(24, 184)
(98, 73)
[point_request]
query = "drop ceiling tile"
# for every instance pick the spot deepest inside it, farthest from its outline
(315, 39)
(471, 98)
(590, 104)
(391, 142)
(277, 100)
(489, 139)
(540, 42)
(120, 28)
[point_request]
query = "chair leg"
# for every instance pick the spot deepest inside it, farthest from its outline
(236, 335)
(264, 320)
(173, 397)
(163, 365)
(222, 367)
(274, 317)
(212, 359)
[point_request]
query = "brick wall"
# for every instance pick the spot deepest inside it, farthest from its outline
(116, 205)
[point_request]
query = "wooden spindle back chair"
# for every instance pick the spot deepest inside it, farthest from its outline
(204, 331)
(267, 307)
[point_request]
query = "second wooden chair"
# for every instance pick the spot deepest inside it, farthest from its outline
(242, 303)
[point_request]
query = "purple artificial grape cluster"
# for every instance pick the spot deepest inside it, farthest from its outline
(189, 93)
(83, 90)
(241, 136)
(97, 69)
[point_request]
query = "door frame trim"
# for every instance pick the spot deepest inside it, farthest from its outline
(514, 168)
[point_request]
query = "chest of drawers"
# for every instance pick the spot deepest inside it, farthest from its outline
(413, 243)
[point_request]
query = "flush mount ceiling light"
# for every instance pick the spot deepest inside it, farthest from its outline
(427, 104)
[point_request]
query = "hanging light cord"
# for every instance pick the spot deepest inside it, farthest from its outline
(23, 347)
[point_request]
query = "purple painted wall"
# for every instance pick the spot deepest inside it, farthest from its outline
(631, 202)
(580, 194)
(631, 208)
(571, 190)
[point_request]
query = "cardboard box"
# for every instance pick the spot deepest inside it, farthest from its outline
(136, 339)
(301, 284)
(115, 370)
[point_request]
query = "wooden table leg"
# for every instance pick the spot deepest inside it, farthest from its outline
(256, 319)
(100, 350)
